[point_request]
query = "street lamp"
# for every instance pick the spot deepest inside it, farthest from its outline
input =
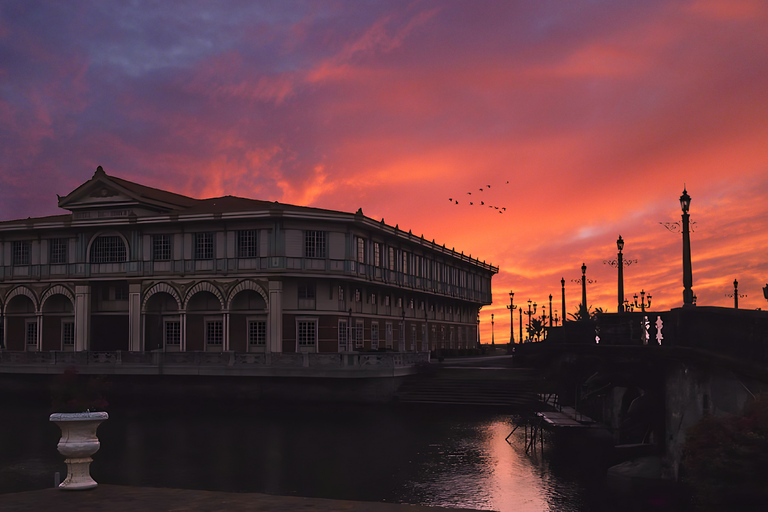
(493, 341)
(530, 313)
(550, 310)
(520, 309)
(620, 263)
(685, 204)
(562, 285)
(511, 307)
(642, 305)
(736, 295)
(584, 282)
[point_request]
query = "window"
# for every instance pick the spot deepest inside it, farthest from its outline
(391, 261)
(341, 293)
(257, 333)
(203, 246)
(424, 340)
(358, 295)
(21, 253)
(161, 247)
(314, 244)
(387, 300)
(360, 250)
(68, 334)
(172, 333)
(388, 334)
(246, 244)
(108, 249)
(31, 332)
(214, 332)
(359, 334)
(413, 337)
(306, 334)
(57, 250)
(343, 335)
(376, 254)
(374, 336)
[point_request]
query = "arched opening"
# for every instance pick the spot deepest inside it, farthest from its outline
(162, 323)
(58, 323)
(248, 322)
(205, 322)
(109, 315)
(20, 324)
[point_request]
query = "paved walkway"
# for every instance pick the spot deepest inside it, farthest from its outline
(118, 498)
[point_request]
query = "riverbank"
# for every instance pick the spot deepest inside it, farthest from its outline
(118, 498)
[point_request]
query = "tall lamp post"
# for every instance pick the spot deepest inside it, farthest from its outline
(530, 313)
(584, 282)
(511, 307)
(735, 294)
(550, 310)
(493, 341)
(620, 263)
(520, 309)
(562, 285)
(685, 204)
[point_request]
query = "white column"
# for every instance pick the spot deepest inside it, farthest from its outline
(82, 318)
(134, 317)
(183, 322)
(226, 331)
(275, 319)
(39, 339)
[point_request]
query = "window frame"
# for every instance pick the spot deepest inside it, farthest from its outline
(247, 243)
(205, 246)
(108, 249)
(303, 341)
(161, 247)
(57, 251)
(20, 252)
(315, 244)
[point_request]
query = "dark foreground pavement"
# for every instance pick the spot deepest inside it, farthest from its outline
(119, 498)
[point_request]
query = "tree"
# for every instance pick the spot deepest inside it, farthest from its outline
(536, 328)
(583, 314)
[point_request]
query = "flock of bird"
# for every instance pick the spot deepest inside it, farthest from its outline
(478, 200)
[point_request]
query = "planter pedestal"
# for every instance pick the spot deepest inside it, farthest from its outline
(78, 442)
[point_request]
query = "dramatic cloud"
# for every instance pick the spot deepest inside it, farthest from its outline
(586, 118)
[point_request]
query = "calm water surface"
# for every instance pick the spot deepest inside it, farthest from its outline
(414, 454)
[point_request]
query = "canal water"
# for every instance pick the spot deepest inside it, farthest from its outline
(440, 456)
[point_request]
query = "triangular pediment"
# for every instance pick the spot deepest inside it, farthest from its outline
(107, 196)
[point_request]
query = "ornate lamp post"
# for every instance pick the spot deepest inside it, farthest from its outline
(562, 285)
(642, 305)
(584, 282)
(689, 299)
(550, 310)
(511, 307)
(736, 295)
(530, 313)
(555, 318)
(685, 204)
(493, 342)
(521, 323)
(620, 263)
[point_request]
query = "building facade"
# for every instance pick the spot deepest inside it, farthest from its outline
(135, 268)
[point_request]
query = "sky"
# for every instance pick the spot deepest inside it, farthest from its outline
(581, 121)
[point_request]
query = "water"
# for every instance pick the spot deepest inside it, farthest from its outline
(407, 454)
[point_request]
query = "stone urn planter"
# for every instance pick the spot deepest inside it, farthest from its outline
(78, 442)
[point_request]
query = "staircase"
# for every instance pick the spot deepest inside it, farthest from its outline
(490, 387)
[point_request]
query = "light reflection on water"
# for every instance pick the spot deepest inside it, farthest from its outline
(419, 455)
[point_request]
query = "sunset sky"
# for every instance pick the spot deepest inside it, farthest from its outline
(586, 118)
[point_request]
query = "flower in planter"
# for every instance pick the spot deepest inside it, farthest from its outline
(72, 392)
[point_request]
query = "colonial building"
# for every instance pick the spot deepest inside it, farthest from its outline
(134, 268)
